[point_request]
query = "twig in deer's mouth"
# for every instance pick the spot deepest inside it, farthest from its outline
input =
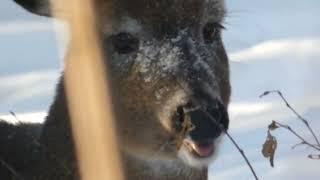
(187, 126)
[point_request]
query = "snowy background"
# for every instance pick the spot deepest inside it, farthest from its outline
(271, 44)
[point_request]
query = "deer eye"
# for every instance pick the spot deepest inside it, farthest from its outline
(125, 43)
(211, 32)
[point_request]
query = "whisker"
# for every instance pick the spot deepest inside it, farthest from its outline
(163, 146)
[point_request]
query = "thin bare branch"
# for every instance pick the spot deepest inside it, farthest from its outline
(243, 155)
(299, 144)
(234, 143)
(11, 169)
(297, 135)
(314, 156)
(294, 111)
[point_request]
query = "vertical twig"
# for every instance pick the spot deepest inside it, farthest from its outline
(88, 94)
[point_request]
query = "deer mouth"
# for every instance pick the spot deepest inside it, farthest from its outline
(201, 149)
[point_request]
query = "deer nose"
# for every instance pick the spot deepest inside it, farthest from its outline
(208, 122)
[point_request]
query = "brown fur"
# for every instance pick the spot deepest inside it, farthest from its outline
(148, 86)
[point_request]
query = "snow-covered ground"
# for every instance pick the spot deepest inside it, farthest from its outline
(271, 44)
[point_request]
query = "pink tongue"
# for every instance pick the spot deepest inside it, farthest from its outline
(203, 150)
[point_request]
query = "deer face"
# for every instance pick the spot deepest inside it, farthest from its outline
(170, 75)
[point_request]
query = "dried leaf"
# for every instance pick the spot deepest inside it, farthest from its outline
(269, 148)
(187, 126)
(273, 126)
(299, 144)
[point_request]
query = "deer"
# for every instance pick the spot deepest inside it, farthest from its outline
(169, 73)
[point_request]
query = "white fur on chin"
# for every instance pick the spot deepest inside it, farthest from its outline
(195, 162)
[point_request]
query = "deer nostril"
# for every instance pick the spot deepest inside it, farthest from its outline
(178, 118)
(180, 114)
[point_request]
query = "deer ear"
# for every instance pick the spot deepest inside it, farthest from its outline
(39, 7)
